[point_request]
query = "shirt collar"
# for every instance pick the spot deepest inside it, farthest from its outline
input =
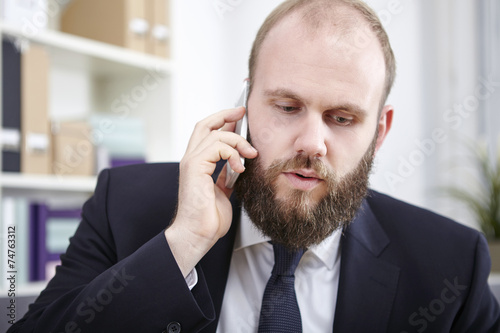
(248, 235)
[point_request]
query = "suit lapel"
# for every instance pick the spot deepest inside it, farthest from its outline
(367, 284)
(215, 265)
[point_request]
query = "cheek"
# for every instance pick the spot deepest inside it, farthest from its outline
(269, 135)
(346, 151)
(269, 150)
(341, 160)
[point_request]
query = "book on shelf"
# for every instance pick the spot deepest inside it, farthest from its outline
(140, 25)
(11, 107)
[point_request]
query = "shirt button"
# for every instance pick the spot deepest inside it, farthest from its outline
(174, 327)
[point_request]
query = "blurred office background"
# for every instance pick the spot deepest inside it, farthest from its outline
(91, 100)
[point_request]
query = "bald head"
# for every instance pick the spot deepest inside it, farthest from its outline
(349, 22)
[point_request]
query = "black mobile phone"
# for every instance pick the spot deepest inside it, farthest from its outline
(241, 129)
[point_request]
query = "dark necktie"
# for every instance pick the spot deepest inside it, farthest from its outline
(280, 312)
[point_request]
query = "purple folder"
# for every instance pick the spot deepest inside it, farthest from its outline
(38, 253)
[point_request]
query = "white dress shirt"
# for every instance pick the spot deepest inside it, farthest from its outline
(316, 282)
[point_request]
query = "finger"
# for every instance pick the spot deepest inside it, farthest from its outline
(222, 151)
(204, 161)
(221, 145)
(231, 139)
(234, 159)
(228, 127)
(214, 122)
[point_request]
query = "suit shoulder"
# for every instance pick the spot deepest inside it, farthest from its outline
(140, 178)
(396, 214)
(141, 186)
(138, 201)
(423, 241)
(145, 172)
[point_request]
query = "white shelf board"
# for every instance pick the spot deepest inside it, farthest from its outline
(101, 58)
(44, 186)
(494, 278)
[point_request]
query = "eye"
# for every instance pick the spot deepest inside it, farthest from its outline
(287, 108)
(343, 121)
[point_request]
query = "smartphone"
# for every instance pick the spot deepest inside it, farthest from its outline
(241, 129)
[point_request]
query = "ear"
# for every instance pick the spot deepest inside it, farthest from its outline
(384, 125)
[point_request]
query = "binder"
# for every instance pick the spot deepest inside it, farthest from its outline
(11, 107)
(119, 22)
(35, 126)
(50, 230)
(159, 17)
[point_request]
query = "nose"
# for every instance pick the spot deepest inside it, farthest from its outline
(311, 140)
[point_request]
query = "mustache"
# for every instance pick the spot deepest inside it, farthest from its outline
(301, 162)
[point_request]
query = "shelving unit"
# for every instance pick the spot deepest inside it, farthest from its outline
(89, 78)
(97, 57)
(109, 68)
(42, 186)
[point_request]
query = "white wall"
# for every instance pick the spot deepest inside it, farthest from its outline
(393, 173)
(434, 43)
(211, 47)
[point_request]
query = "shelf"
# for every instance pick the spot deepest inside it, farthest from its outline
(44, 186)
(494, 278)
(97, 57)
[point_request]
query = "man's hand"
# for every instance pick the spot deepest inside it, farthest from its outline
(204, 212)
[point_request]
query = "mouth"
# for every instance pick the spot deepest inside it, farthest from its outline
(304, 180)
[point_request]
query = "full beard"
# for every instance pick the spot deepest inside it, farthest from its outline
(296, 222)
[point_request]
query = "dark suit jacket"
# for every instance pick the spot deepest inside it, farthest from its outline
(403, 269)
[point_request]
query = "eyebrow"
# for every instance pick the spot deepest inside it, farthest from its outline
(282, 93)
(287, 93)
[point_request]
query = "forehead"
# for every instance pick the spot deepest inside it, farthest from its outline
(341, 55)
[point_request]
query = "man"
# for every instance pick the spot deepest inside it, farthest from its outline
(366, 263)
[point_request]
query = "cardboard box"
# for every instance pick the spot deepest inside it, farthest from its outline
(73, 152)
(119, 22)
(159, 37)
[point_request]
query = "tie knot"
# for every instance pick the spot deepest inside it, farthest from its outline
(285, 260)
